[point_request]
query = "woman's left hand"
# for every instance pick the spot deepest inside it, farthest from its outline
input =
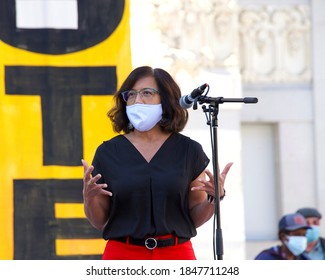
(200, 187)
(208, 185)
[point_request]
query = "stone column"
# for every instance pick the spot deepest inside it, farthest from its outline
(318, 8)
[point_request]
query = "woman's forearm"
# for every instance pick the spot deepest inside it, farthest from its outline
(97, 213)
(201, 213)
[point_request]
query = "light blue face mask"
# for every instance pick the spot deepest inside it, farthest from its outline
(313, 233)
(144, 116)
(296, 244)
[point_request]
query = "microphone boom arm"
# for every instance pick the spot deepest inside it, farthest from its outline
(221, 100)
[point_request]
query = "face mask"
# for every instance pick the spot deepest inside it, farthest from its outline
(296, 244)
(144, 116)
(313, 233)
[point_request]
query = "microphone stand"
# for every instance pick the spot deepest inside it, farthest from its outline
(212, 120)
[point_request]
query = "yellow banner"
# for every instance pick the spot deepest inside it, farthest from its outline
(56, 87)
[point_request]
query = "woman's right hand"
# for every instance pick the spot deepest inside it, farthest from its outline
(96, 202)
(90, 188)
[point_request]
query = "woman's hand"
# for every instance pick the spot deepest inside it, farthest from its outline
(90, 188)
(208, 185)
(200, 208)
(96, 202)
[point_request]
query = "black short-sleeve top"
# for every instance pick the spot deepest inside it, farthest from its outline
(149, 198)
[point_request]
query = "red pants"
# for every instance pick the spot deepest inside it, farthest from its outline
(116, 250)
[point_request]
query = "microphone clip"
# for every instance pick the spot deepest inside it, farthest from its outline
(195, 104)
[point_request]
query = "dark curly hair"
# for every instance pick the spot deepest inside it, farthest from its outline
(174, 117)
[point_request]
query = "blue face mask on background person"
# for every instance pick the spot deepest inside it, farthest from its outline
(144, 116)
(313, 233)
(296, 244)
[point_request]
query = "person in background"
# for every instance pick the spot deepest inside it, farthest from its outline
(148, 188)
(291, 233)
(315, 244)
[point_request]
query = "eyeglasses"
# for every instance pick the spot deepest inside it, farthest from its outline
(147, 94)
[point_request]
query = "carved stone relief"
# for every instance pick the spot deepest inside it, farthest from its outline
(269, 44)
(198, 34)
(275, 44)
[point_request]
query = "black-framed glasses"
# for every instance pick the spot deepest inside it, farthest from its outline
(147, 94)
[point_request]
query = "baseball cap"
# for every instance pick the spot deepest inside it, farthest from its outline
(292, 222)
(309, 212)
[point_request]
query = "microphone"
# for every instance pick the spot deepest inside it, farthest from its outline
(187, 101)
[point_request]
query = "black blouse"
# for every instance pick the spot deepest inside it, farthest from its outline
(149, 198)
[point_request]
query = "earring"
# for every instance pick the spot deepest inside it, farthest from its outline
(130, 126)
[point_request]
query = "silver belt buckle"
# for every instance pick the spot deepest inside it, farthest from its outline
(150, 243)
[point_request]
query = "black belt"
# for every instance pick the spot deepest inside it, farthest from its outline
(151, 242)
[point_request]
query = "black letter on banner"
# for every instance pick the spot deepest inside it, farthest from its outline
(61, 89)
(97, 20)
(35, 226)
